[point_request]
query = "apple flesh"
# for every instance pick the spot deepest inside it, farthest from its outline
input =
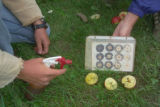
(122, 15)
(116, 20)
(95, 16)
(129, 81)
(110, 83)
(91, 78)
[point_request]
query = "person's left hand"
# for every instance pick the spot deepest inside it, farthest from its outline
(42, 41)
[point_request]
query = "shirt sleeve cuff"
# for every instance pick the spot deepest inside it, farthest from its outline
(135, 9)
(10, 67)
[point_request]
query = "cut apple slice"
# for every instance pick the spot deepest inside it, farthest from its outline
(110, 83)
(129, 81)
(122, 14)
(91, 78)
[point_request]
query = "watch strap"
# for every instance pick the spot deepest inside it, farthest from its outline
(43, 25)
(40, 26)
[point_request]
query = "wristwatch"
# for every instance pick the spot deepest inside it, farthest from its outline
(38, 26)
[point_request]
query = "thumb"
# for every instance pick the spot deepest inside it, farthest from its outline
(39, 46)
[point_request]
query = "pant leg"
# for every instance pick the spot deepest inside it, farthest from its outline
(5, 37)
(18, 32)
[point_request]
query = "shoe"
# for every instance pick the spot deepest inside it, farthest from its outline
(156, 30)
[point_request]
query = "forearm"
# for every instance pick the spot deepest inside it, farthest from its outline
(130, 19)
(10, 67)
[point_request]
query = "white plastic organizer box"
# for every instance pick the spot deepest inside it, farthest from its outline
(110, 53)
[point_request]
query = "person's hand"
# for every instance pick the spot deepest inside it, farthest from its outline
(38, 74)
(124, 28)
(42, 39)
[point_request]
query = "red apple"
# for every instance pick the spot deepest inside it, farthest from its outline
(122, 15)
(116, 20)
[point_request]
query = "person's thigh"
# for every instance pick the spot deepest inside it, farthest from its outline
(5, 37)
(18, 32)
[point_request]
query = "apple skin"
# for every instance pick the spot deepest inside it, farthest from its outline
(116, 20)
(122, 14)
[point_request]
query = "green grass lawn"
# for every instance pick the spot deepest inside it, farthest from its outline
(68, 34)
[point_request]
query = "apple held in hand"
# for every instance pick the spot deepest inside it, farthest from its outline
(110, 83)
(129, 81)
(91, 78)
(116, 20)
(122, 15)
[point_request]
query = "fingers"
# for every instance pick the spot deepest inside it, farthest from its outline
(121, 30)
(57, 72)
(39, 46)
(53, 73)
(42, 41)
(45, 47)
(42, 47)
(115, 33)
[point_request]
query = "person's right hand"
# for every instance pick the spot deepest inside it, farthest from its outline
(36, 73)
(124, 28)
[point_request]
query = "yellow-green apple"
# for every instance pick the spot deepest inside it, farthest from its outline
(122, 14)
(91, 78)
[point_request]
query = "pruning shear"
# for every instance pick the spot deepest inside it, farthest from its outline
(57, 60)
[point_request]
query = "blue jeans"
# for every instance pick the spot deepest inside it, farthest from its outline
(12, 31)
